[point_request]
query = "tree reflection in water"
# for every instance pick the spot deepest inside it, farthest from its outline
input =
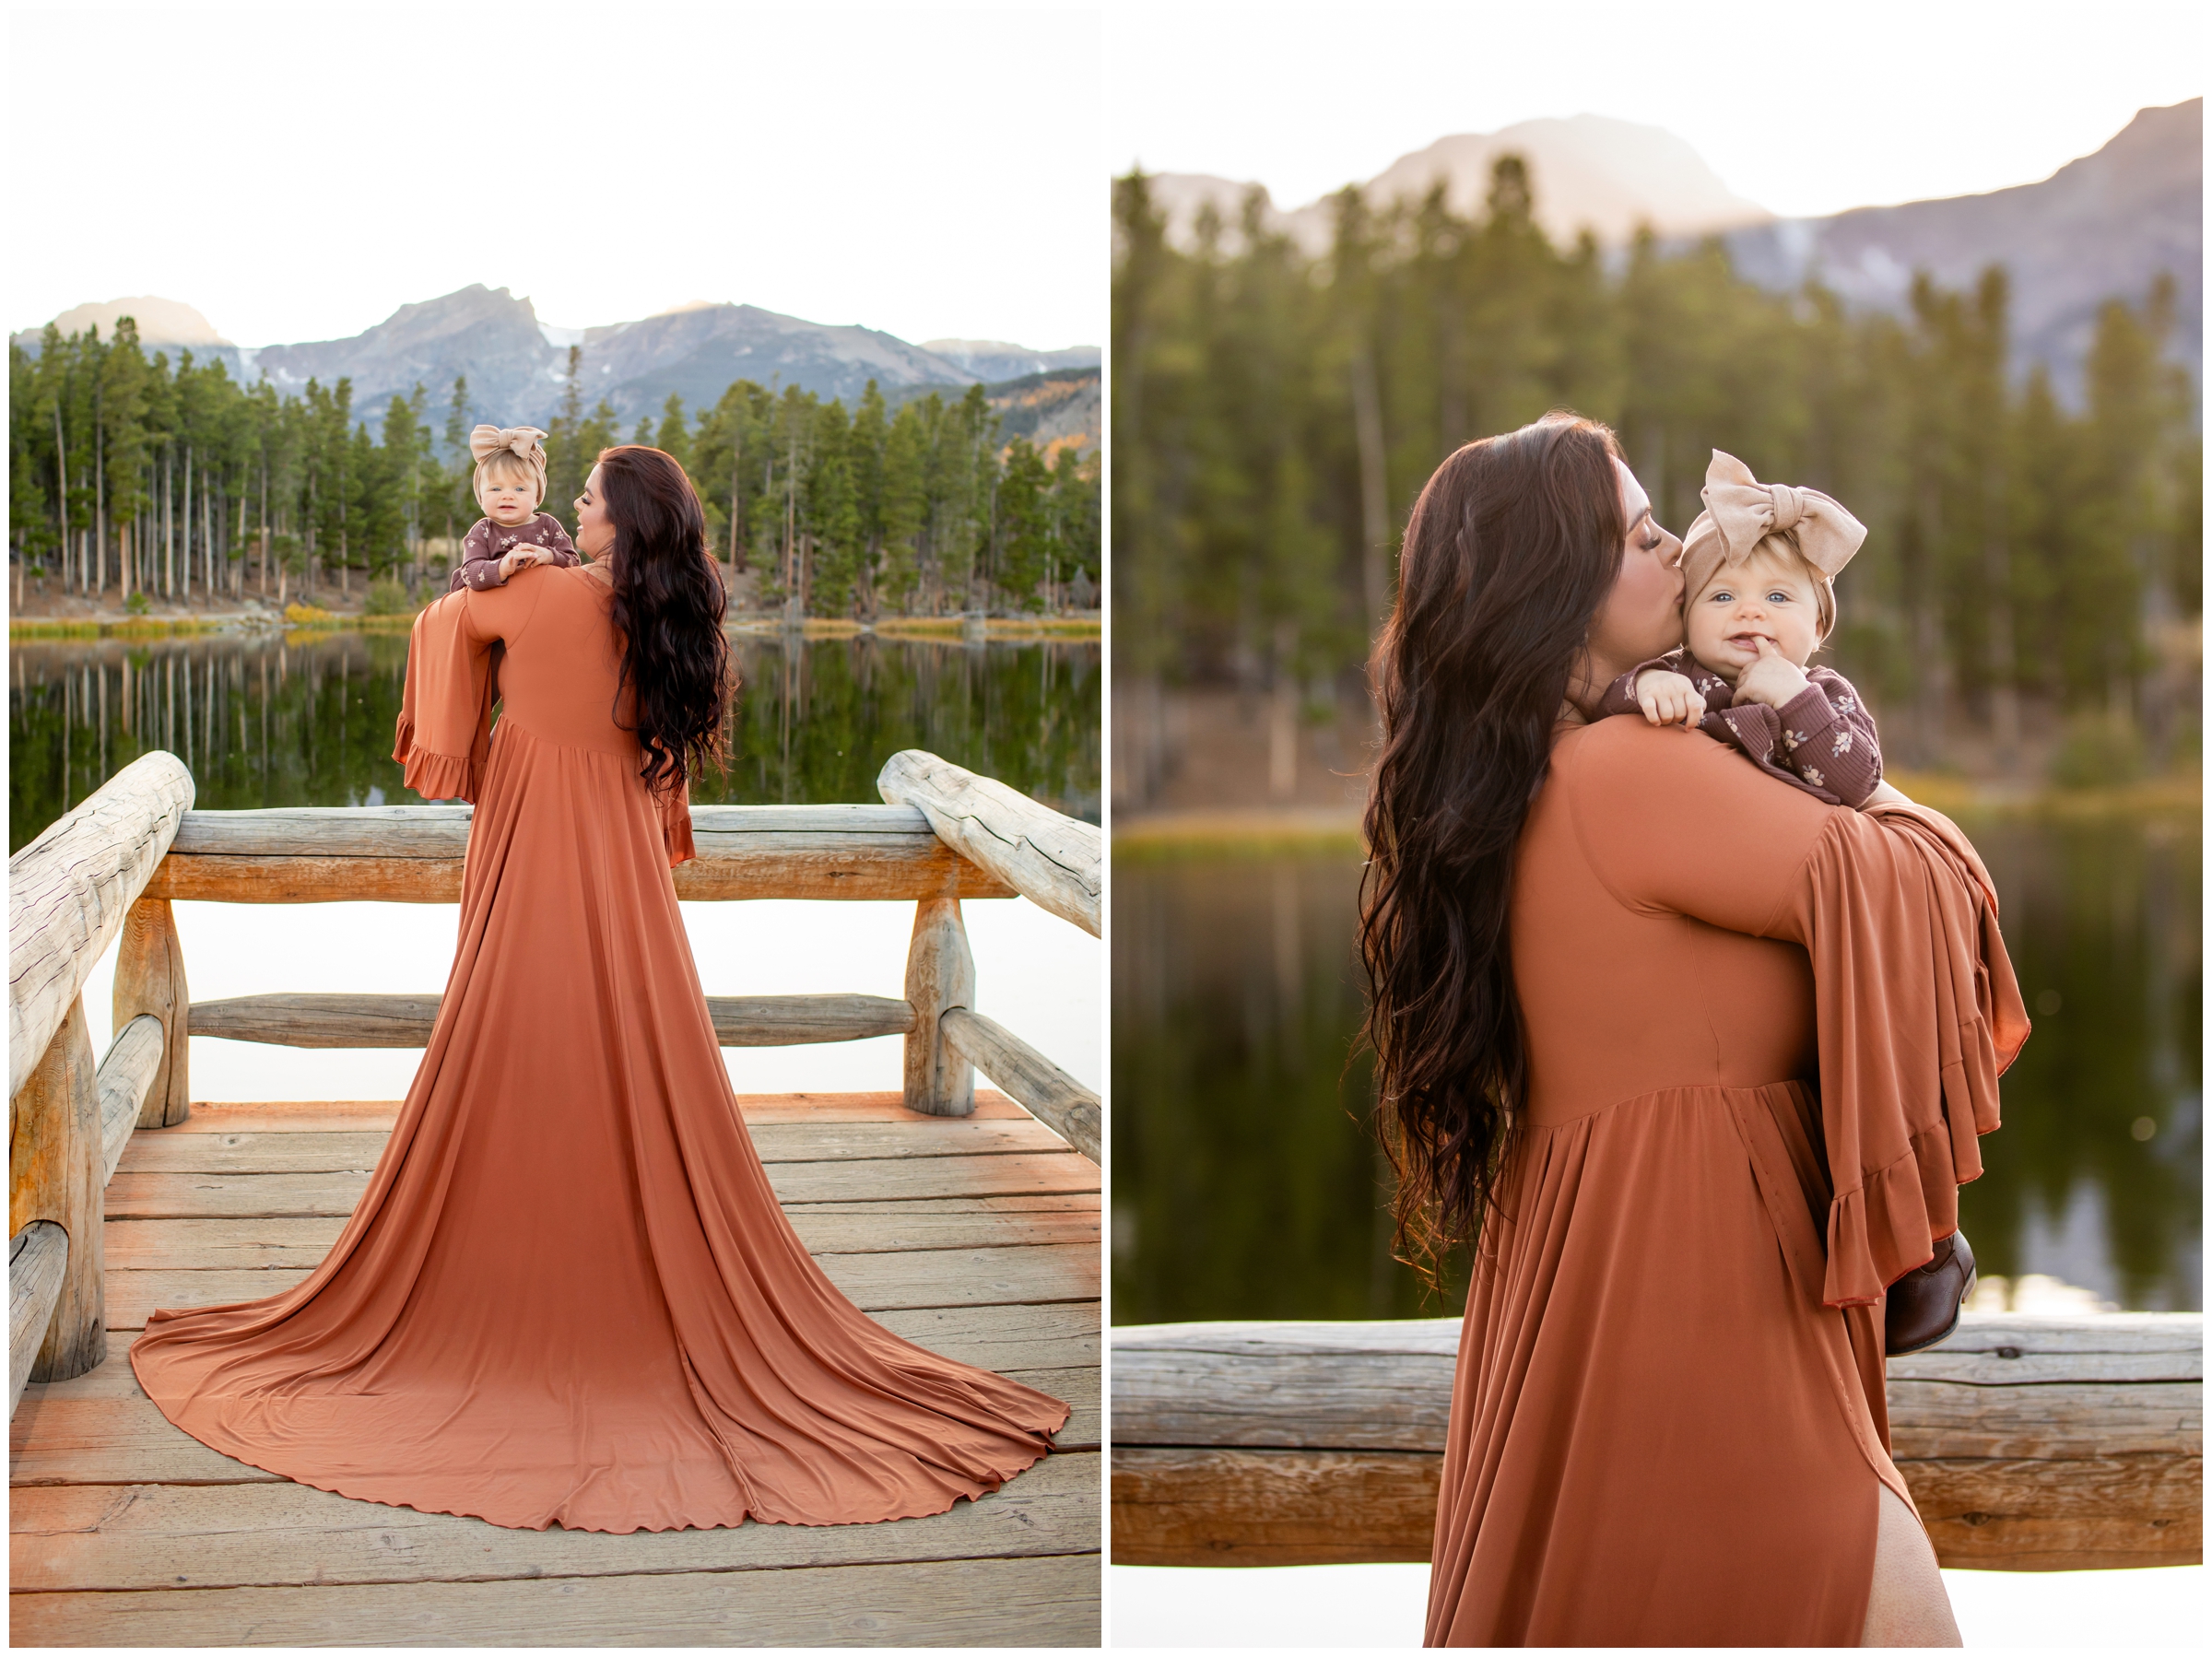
(307, 719)
(1245, 1184)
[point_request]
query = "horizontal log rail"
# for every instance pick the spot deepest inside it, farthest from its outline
(123, 1081)
(1027, 1077)
(306, 1020)
(2030, 1443)
(69, 890)
(414, 854)
(1052, 860)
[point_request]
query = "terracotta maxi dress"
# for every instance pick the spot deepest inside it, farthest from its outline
(1764, 1034)
(569, 1295)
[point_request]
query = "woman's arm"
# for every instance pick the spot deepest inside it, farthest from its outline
(1687, 827)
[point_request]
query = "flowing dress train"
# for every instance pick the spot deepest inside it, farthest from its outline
(569, 1295)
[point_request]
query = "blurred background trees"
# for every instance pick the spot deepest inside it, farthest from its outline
(136, 479)
(2031, 580)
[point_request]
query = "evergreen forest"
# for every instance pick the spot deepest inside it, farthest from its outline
(2033, 561)
(135, 479)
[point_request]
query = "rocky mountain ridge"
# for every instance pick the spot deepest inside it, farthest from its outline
(2105, 225)
(1589, 171)
(995, 359)
(2101, 226)
(517, 367)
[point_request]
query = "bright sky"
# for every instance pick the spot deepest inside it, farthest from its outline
(299, 170)
(1807, 107)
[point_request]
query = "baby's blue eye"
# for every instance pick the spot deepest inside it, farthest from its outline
(1778, 598)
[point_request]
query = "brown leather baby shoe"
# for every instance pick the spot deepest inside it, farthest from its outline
(1922, 1307)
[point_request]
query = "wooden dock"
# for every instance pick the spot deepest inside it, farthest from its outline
(963, 1220)
(975, 1236)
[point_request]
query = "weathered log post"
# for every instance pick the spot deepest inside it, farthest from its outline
(1054, 861)
(57, 1172)
(941, 975)
(150, 978)
(69, 892)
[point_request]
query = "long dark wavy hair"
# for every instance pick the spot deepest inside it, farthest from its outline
(1510, 553)
(668, 608)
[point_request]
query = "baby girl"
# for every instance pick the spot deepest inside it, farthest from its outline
(1758, 598)
(510, 485)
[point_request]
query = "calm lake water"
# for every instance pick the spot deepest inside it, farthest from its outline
(307, 719)
(1246, 1185)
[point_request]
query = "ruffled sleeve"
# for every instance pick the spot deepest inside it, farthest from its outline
(676, 823)
(443, 741)
(1918, 1014)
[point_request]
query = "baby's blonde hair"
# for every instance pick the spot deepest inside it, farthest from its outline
(506, 464)
(1781, 549)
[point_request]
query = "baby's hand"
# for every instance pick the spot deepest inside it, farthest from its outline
(1773, 679)
(522, 558)
(1668, 697)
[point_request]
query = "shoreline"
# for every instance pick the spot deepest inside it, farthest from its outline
(1263, 831)
(299, 619)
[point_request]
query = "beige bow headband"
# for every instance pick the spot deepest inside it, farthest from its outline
(1740, 512)
(520, 441)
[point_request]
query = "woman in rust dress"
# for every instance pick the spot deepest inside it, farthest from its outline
(569, 1295)
(1694, 1061)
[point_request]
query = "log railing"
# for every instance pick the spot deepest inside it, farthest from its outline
(113, 866)
(71, 892)
(2030, 1443)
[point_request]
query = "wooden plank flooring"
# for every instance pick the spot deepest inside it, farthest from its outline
(977, 1237)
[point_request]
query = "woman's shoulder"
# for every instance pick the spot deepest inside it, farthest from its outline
(1604, 746)
(442, 610)
(564, 589)
(1625, 768)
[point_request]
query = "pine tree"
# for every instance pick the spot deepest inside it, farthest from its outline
(1024, 528)
(673, 437)
(903, 509)
(1277, 412)
(567, 458)
(123, 408)
(182, 484)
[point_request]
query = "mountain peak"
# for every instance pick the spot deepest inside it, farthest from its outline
(160, 322)
(1588, 171)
